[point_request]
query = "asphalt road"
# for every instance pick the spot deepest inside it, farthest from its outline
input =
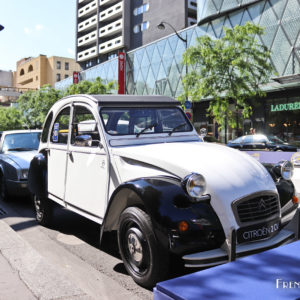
(72, 246)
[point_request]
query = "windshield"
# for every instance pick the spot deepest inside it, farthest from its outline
(275, 139)
(21, 141)
(138, 121)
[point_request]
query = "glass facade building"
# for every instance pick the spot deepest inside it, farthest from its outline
(157, 68)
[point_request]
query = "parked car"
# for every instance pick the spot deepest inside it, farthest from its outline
(136, 165)
(17, 148)
(261, 142)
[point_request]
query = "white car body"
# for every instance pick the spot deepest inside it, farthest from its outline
(104, 175)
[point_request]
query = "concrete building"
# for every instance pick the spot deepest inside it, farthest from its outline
(34, 72)
(105, 27)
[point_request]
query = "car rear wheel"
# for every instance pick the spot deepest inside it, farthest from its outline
(144, 259)
(44, 210)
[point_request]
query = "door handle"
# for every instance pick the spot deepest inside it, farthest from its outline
(70, 154)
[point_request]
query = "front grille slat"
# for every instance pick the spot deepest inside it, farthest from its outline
(257, 208)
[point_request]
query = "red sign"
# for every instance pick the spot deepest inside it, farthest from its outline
(121, 73)
(189, 115)
(75, 77)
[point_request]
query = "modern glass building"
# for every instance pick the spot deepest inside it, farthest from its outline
(157, 68)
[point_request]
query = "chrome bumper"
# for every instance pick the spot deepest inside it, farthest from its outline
(221, 256)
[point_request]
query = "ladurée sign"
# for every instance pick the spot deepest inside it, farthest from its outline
(285, 106)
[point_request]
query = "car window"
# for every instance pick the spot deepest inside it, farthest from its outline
(85, 127)
(248, 139)
(60, 129)
(21, 141)
(46, 128)
(129, 121)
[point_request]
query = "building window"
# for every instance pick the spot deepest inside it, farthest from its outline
(112, 55)
(66, 76)
(141, 9)
(58, 65)
(57, 77)
(141, 27)
(66, 66)
(22, 72)
(30, 68)
(36, 78)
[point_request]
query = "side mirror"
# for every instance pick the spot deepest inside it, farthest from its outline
(203, 132)
(83, 140)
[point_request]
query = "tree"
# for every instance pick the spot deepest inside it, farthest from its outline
(34, 105)
(229, 71)
(88, 87)
(10, 118)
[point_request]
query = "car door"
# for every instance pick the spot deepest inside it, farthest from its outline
(57, 154)
(87, 165)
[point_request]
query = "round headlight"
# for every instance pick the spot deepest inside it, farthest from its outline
(195, 185)
(287, 170)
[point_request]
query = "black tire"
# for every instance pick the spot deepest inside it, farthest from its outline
(43, 210)
(3, 189)
(143, 257)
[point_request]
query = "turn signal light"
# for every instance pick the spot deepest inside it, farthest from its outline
(295, 199)
(183, 226)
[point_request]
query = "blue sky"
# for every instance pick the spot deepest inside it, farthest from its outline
(34, 27)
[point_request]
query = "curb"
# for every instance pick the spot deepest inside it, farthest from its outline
(41, 278)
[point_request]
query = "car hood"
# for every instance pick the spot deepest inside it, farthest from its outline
(230, 174)
(21, 158)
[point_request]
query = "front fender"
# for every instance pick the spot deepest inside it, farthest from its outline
(166, 202)
(37, 175)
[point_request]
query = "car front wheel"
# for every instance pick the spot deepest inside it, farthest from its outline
(44, 210)
(143, 257)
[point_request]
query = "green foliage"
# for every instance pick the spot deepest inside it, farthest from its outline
(34, 105)
(91, 88)
(229, 71)
(10, 118)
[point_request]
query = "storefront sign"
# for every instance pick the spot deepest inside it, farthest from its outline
(286, 106)
(121, 71)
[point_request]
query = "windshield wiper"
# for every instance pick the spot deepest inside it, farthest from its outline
(20, 149)
(177, 127)
(146, 128)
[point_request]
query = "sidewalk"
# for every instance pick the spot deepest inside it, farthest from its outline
(25, 274)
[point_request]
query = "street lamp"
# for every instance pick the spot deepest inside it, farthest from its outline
(162, 26)
(1, 27)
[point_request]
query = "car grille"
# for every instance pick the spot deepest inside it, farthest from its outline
(258, 208)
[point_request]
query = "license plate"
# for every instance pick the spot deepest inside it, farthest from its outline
(258, 231)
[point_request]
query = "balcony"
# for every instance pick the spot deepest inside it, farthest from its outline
(111, 28)
(111, 45)
(88, 9)
(104, 2)
(86, 54)
(192, 5)
(191, 21)
(83, 1)
(87, 24)
(112, 12)
(87, 39)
